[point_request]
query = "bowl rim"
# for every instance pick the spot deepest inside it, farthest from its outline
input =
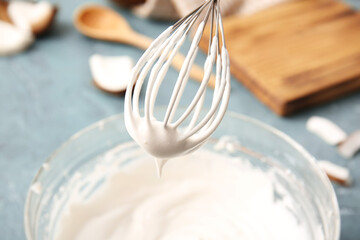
(297, 146)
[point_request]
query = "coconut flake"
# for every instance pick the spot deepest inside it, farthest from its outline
(336, 173)
(325, 129)
(13, 40)
(350, 146)
(111, 74)
(33, 17)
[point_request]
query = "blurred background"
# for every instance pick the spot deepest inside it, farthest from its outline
(47, 91)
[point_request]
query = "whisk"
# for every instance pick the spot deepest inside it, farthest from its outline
(168, 138)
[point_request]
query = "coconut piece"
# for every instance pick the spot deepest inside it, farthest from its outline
(111, 74)
(336, 173)
(13, 40)
(34, 17)
(158, 9)
(325, 129)
(350, 146)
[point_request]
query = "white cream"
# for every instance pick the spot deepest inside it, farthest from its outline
(204, 195)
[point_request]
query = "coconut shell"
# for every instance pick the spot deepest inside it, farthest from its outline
(25, 15)
(42, 27)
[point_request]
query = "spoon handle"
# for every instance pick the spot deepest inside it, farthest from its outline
(196, 73)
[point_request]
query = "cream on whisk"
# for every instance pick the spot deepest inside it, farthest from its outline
(178, 135)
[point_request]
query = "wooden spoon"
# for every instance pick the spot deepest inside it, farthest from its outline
(99, 22)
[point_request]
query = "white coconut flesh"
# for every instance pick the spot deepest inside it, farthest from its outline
(350, 146)
(111, 74)
(326, 129)
(28, 15)
(13, 39)
(336, 173)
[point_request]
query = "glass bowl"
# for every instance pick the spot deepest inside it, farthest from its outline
(263, 145)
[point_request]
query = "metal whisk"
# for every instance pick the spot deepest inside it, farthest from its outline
(168, 137)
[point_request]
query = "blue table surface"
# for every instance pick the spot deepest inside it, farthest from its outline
(46, 95)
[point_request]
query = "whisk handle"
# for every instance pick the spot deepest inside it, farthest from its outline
(196, 73)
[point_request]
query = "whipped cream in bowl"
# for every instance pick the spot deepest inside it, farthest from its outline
(249, 181)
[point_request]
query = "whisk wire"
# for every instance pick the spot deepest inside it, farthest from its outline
(183, 77)
(218, 61)
(139, 78)
(154, 75)
(200, 95)
(168, 44)
(194, 13)
(163, 72)
(185, 71)
(208, 120)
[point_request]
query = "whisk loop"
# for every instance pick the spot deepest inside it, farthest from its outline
(169, 137)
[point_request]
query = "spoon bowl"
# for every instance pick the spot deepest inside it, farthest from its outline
(105, 24)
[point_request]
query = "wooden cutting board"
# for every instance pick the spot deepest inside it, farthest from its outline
(297, 54)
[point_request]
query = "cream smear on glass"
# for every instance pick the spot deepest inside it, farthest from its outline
(204, 195)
